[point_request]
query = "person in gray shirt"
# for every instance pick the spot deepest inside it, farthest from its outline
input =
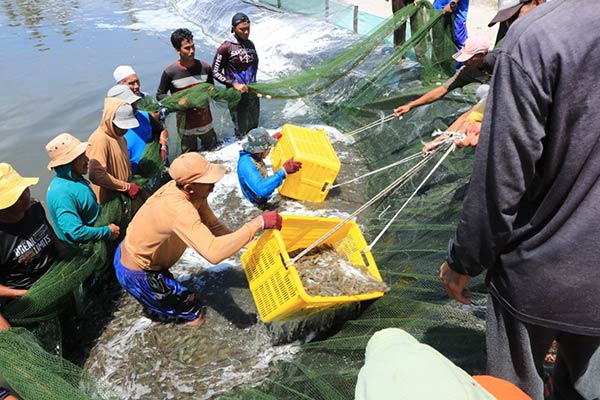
(531, 216)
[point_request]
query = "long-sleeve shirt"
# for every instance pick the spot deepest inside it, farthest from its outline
(73, 208)
(109, 168)
(168, 223)
(256, 187)
(235, 62)
(532, 213)
(177, 77)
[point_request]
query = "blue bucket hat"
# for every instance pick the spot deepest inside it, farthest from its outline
(258, 140)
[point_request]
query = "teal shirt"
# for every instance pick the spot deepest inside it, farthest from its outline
(73, 208)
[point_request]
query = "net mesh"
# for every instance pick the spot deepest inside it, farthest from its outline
(408, 256)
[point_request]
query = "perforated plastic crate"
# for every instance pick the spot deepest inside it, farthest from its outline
(277, 289)
(320, 164)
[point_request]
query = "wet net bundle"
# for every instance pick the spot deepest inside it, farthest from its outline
(325, 273)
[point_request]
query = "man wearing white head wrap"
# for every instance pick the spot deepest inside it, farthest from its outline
(125, 75)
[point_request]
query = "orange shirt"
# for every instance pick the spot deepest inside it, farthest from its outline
(168, 223)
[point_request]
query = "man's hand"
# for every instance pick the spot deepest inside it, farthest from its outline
(240, 87)
(291, 166)
(114, 231)
(271, 220)
(455, 284)
(449, 9)
(133, 190)
(164, 148)
(400, 111)
(4, 324)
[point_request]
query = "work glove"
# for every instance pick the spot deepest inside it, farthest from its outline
(291, 166)
(271, 220)
(277, 135)
(133, 190)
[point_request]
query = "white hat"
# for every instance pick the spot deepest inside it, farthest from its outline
(124, 117)
(122, 72)
(124, 93)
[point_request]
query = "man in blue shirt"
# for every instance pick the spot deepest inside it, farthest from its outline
(459, 9)
(252, 170)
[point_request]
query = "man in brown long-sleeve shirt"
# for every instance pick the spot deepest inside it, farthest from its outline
(175, 217)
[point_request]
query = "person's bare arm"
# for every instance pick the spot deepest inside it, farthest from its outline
(429, 97)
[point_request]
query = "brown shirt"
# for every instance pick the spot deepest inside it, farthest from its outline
(168, 223)
(110, 168)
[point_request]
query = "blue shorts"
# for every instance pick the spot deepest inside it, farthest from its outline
(164, 298)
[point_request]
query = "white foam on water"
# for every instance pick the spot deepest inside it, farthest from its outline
(153, 20)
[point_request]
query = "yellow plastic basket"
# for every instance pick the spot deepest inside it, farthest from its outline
(277, 289)
(320, 164)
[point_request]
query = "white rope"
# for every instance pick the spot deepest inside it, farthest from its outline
(451, 147)
(404, 160)
(372, 124)
(401, 180)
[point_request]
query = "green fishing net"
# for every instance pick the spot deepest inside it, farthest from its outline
(34, 374)
(411, 251)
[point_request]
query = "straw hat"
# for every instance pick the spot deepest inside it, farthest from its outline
(63, 149)
(12, 185)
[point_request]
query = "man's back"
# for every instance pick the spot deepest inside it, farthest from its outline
(533, 213)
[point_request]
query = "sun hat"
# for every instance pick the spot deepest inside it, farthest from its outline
(473, 45)
(238, 18)
(506, 10)
(124, 93)
(63, 149)
(122, 72)
(193, 168)
(12, 185)
(258, 140)
(124, 117)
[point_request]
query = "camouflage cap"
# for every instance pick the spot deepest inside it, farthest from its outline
(258, 140)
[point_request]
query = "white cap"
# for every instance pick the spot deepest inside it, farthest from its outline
(122, 72)
(124, 93)
(124, 117)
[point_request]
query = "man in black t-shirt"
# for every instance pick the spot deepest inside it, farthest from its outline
(28, 245)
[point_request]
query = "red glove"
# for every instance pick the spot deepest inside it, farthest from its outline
(277, 135)
(133, 190)
(271, 220)
(291, 166)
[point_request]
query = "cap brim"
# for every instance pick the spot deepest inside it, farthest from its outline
(70, 156)
(129, 123)
(133, 99)
(10, 197)
(214, 174)
(461, 56)
(506, 14)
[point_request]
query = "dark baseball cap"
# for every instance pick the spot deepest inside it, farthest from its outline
(507, 9)
(238, 18)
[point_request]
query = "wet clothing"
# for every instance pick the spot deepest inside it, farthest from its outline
(159, 292)
(73, 208)
(466, 75)
(176, 77)
(110, 168)
(460, 20)
(254, 182)
(168, 223)
(532, 217)
(27, 249)
(137, 138)
(236, 61)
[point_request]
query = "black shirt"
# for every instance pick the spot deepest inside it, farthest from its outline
(27, 249)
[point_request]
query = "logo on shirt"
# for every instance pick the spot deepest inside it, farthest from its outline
(29, 248)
